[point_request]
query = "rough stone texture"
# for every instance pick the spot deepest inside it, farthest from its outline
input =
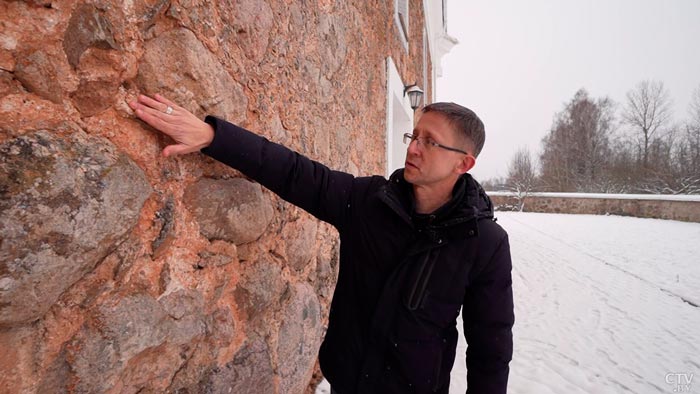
(122, 271)
(66, 203)
(299, 339)
(252, 24)
(43, 71)
(101, 72)
(115, 351)
(687, 211)
(250, 372)
(297, 236)
(179, 66)
(259, 289)
(87, 27)
(234, 210)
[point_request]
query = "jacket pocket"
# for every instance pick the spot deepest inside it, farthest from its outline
(439, 312)
(417, 364)
(421, 347)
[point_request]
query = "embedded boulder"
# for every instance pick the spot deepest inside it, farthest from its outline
(66, 203)
(177, 65)
(299, 238)
(136, 341)
(260, 289)
(299, 339)
(234, 210)
(250, 372)
(88, 27)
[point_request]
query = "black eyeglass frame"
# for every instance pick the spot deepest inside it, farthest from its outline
(408, 138)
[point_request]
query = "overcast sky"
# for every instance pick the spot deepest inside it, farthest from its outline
(518, 62)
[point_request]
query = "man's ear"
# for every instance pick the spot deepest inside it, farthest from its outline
(466, 164)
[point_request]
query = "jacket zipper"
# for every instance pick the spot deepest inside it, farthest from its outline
(418, 290)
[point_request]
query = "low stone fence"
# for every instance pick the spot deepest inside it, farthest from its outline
(674, 207)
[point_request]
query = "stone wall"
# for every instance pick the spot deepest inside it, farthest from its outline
(684, 208)
(122, 271)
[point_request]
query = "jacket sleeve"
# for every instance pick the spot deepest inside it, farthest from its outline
(297, 179)
(488, 321)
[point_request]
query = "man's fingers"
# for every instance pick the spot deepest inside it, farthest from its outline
(153, 112)
(154, 118)
(165, 101)
(149, 102)
(179, 149)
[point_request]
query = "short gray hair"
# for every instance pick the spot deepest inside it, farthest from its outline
(465, 122)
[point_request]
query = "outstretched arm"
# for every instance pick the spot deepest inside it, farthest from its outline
(303, 182)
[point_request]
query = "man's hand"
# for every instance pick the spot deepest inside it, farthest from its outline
(190, 132)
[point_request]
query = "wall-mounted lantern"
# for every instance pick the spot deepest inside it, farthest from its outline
(415, 94)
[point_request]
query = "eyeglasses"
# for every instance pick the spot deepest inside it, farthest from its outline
(428, 143)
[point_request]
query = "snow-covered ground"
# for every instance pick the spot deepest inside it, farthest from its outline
(604, 304)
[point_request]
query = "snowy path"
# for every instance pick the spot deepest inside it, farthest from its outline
(604, 304)
(600, 304)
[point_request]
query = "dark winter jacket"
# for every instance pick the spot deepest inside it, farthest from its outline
(402, 277)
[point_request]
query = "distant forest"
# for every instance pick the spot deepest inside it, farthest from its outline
(598, 146)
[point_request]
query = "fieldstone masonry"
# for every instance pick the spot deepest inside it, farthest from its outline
(683, 208)
(122, 271)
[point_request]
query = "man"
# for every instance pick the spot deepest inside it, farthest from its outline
(413, 250)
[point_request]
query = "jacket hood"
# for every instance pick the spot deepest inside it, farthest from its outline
(468, 197)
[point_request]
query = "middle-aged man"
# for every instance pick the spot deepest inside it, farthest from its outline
(413, 250)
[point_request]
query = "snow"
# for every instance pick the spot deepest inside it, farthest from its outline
(652, 197)
(604, 304)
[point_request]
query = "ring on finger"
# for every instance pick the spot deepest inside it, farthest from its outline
(169, 110)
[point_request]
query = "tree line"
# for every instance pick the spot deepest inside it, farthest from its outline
(598, 146)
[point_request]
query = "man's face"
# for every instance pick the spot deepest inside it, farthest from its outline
(430, 165)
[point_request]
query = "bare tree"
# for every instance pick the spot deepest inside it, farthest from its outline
(494, 184)
(574, 152)
(687, 154)
(521, 176)
(675, 157)
(694, 109)
(648, 112)
(693, 132)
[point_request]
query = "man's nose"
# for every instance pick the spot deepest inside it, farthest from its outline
(413, 147)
